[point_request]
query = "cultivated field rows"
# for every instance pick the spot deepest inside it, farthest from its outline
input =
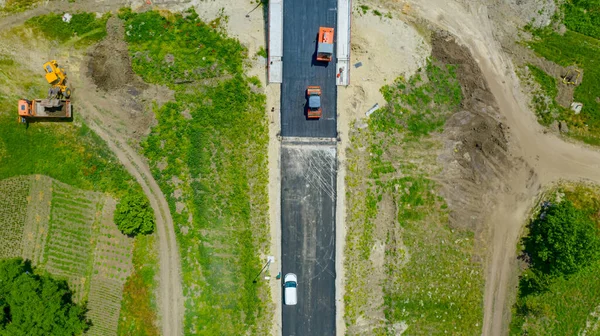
(70, 233)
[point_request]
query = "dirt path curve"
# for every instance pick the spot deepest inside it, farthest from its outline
(550, 157)
(171, 307)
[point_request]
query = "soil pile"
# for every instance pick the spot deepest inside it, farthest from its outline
(477, 158)
(109, 63)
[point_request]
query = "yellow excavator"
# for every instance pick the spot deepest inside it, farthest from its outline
(57, 77)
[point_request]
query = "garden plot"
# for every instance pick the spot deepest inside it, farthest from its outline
(36, 222)
(69, 244)
(112, 266)
(13, 204)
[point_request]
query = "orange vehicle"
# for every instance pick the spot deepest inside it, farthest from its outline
(44, 108)
(325, 45)
(313, 93)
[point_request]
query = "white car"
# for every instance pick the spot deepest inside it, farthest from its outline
(290, 282)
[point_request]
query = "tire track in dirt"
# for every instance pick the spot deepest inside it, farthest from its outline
(170, 283)
(549, 157)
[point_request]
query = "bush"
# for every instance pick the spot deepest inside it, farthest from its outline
(31, 304)
(134, 215)
(562, 240)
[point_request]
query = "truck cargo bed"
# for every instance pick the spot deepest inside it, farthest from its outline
(48, 108)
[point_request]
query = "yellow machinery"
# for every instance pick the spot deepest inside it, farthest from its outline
(57, 77)
(571, 77)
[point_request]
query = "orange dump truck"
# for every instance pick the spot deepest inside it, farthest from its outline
(325, 46)
(44, 108)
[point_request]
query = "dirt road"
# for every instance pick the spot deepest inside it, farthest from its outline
(94, 110)
(549, 157)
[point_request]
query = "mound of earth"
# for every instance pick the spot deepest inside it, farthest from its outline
(109, 64)
(477, 158)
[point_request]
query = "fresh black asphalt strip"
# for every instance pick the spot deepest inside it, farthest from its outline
(301, 22)
(308, 186)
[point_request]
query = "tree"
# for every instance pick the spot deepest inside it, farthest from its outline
(562, 240)
(134, 215)
(32, 304)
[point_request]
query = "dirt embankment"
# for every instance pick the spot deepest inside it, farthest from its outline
(478, 158)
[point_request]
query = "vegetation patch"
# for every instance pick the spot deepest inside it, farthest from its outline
(84, 28)
(561, 253)
(401, 256)
(16, 6)
(578, 46)
(138, 309)
(208, 153)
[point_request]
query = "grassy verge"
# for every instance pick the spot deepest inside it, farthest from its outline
(563, 304)
(138, 309)
(430, 284)
(578, 46)
(16, 6)
(208, 153)
(84, 28)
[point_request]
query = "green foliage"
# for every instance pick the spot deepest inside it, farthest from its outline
(217, 153)
(573, 48)
(410, 103)
(547, 82)
(199, 50)
(562, 240)
(138, 309)
(83, 26)
(262, 52)
(32, 304)
(564, 307)
(583, 16)
(134, 215)
(364, 9)
(16, 6)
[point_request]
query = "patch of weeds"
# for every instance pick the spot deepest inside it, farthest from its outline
(364, 9)
(262, 52)
(377, 13)
(85, 28)
(216, 162)
(432, 282)
(410, 103)
(544, 99)
(138, 308)
(16, 6)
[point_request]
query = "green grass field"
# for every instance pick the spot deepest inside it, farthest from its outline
(430, 283)
(214, 159)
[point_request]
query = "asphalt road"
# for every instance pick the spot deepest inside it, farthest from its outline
(301, 22)
(308, 185)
